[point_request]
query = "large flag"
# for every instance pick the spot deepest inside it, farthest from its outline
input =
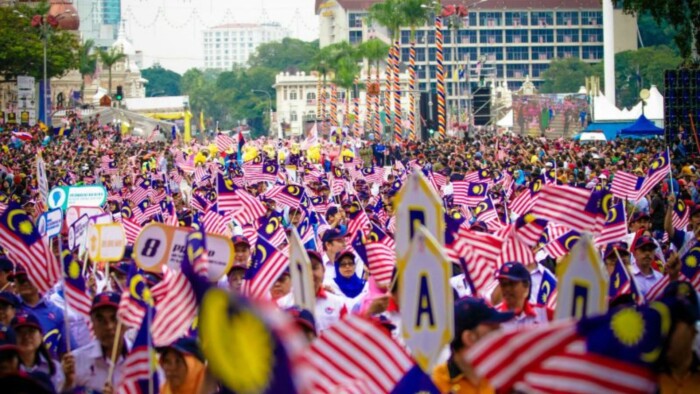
(573, 207)
(74, 288)
(659, 169)
(561, 245)
(525, 200)
(224, 142)
(136, 297)
(176, 308)
(28, 248)
(357, 354)
(469, 193)
(267, 265)
(626, 186)
(612, 353)
(139, 374)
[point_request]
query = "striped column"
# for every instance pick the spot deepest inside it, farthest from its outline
(334, 106)
(440, 71)
(389, 77)
(324, 113)
(368, 100)
(319, 115)
(411, 90)
(356, 112)
(398, 127)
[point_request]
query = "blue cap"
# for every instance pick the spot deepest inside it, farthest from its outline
(123, 266)
(185, 345)
(303, 318)
(25, 319)
(332, 234)
(471, 312)
(9, 298)
(620, 246)
(8, 340)
(642, 242)
(514, 271)
(240, 239)
(107, 298)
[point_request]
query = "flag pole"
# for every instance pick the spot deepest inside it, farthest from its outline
(113, 358)
(670, 171)
(66, 325)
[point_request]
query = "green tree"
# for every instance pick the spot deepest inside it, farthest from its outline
(653, 33)
(322, 63)
(87, 63)
(290, 54)
(22, 46)
(109, 58)
(567, 75)
(344, 60)
(161, 81)
(684, 15)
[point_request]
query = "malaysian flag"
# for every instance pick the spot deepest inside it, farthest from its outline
(589, 356)
(268, 263)
(227, 201)
(141, 192)
(681, 215)
(622, 283)
(224, 142)
(289, 195)
(486, 212)
(525, 200)
(469, 194)
(570, 206)
(108, 166)
(251, 208)
(272, 229)
(132, 227)
(201, 174)
(560, 246)
(358, 353)
(547, 293)
(139, 375)
(380, 258)
(27, 247)
(136, 297)
(659, 169)
(74, 288)
(615, 227)
(514, 248)
(626, 186)
(176, 308)
(357, 218)
(216, 223)
(195, 263)
(376, 234)
(690, 268)
(373, 174)
(269, 172)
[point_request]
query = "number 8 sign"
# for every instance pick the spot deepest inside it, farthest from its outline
(152, 246)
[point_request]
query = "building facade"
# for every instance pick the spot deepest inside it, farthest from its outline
(100, 21)
(232, 44)
(509, 40)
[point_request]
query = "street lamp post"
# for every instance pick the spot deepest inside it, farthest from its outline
(269, 108)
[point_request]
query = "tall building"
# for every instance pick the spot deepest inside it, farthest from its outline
(509, 40)
(100, 21)
(233, 43)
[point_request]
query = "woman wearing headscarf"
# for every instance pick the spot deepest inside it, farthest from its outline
(184, 370)
(33, 354)
(346, 283)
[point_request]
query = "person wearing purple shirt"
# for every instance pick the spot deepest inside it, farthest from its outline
(645, 276)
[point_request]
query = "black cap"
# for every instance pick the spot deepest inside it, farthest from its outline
(107, 298)
(5, 264)
(471, 312)
(185, 345)
(514, 271)
(8, 340)
(9, 298)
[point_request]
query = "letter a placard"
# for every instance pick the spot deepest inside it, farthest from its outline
(582, 282)
(418, 204)
(425, 298)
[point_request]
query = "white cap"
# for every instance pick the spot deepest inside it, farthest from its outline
(549, 164)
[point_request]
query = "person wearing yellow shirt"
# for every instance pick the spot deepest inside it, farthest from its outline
(473, 320)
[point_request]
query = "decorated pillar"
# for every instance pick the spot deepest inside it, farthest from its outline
(440, 71)
(398, 126)
(411, 90)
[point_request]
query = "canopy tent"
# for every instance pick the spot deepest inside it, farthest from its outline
(591, 136)
(642, 128)
(611, 130)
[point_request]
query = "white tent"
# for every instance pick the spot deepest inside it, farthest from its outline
(506, 121)
(593, 136)
(605, 111)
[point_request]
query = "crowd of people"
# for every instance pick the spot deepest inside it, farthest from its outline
(343, 185)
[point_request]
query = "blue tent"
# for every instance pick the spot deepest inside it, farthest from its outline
(610, 129)
(642, 128)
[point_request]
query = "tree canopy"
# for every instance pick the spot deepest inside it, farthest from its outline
(22, 47)
(566, 75)
(288, 55)
(161, 81)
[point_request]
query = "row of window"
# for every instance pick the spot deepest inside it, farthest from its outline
(496, 36)
(508, 53)
(515, 18)
(242, 46)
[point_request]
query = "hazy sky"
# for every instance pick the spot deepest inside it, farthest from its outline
(170, 31)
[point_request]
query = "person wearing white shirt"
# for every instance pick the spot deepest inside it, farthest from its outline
(89, 365)
(644, 275)
(329, 308)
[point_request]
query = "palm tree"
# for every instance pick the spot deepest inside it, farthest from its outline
(414, 13)
(389, 15)
(109, 58)
(87, 63)
(322, 63)
(374, 50)
(343, 60)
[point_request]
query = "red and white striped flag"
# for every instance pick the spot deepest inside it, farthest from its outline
(176, 308)
(215, 223)
(268, 264)
(355, 349)
(224, 142)
(626, 186)
(569, 206)
(138, 372)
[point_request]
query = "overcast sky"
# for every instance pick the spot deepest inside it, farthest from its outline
(172, 35)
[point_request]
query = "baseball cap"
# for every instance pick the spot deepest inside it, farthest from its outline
(332, 234)
(8, 339)
(470, 312)
(25, 319)
(8, 298)
(514, 271)
(107, 298)
(314, 255)
(240, 239)
(639, 216)
(303, 317)
(644, 241)
(185, 345)
(620, 246)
